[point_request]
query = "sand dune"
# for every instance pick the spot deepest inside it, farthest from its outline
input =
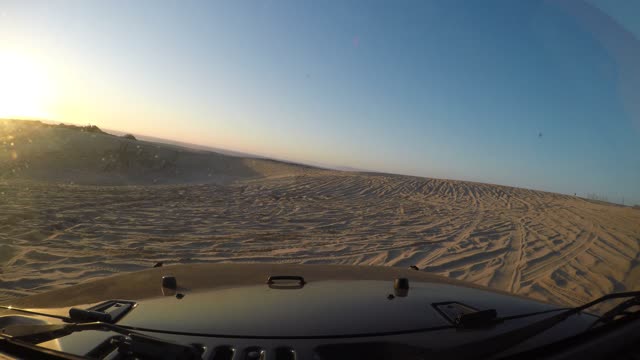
(552, 247)
(42, 152)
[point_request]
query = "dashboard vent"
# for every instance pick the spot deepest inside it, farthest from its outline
(223, 353)
(253, 353)
(283, 353)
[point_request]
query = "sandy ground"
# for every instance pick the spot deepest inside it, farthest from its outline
(62, 227)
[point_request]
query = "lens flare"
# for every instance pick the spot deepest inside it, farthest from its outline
(25, 87)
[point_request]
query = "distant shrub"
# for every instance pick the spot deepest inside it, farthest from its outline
(92, 128)
(637, 207)
(88, 128)
(129, 136)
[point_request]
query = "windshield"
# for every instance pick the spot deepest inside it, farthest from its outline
(493, 142)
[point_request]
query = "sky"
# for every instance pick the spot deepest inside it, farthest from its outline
(535, 94)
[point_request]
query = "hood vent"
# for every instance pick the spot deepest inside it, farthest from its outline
(465, 316)
(107, 312)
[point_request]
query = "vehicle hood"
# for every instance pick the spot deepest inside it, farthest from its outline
(323, 308)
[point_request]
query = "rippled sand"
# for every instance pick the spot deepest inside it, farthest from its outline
(559, 248)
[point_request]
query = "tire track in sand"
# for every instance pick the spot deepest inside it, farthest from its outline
(507, 277)
(428, 263)
(555, 260)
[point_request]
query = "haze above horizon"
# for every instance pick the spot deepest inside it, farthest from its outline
(541, 95)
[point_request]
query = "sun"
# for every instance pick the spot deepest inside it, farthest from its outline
(25, 87)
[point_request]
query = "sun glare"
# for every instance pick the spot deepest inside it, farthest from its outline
(25, 87)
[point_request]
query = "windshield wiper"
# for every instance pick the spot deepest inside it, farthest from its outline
(106, 312)
(620, 309)
(511, 338)
(131, 344)
(59, 317)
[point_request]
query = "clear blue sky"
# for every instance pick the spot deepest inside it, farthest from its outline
(453, 89)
